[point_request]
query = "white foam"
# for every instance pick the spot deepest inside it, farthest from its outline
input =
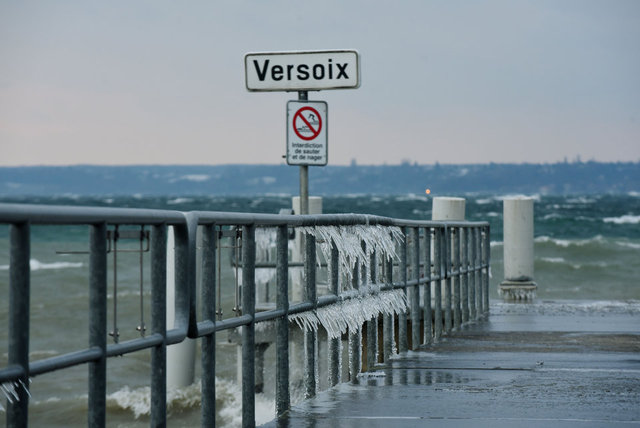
(565, 243)
(177, 201)
(228, 393)
(633, 245)
(624, 219)
(35, 265)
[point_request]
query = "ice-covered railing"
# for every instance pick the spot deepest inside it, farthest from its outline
(420, 276)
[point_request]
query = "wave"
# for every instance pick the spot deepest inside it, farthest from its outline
(632, 245)
(591, 307)
(624, 219)
(38, 265)
(228, 402)
(565, 243)
(178, 201)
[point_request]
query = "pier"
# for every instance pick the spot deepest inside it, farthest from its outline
(552, 364)
(395, 321)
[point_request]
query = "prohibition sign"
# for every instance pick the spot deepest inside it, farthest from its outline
(311, 125)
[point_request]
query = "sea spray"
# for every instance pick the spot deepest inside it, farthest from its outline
(228, 402)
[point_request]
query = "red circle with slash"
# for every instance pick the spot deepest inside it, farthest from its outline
(307, 125)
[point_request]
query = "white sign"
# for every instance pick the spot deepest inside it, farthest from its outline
(302, 71)
(307, 133)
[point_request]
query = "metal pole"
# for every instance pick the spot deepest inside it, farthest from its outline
(437, 263)
(304, 171)
(310, 335)
(485, 260)
(19, 298)
(447, 281)
(457, 318)
(209, 238)
(372, 324)
(403, 345)
(334, 343)
(98, 324)
(464, 276)
(387, 320)
(473, 282)
(283, 401)
(427, 286)
(248, 331)
(159, 325)
(415, 291)
(355, 355)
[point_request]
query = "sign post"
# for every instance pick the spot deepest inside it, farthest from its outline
(307, 122)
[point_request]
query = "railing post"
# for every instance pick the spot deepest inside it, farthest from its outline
(335, 342)
(415, 290)
(473, 283)
(457, 318)
(447, 281)
(159, 325)
(437, 263)
(283, 401)
(19, 301)
(208, 383)
(464, 276)
(427, 286)
(372, 324)
(485, 277)
(248, 331)
(98, 324)
(355, 338)
(387, 319)
(310, 335)
(403, 342)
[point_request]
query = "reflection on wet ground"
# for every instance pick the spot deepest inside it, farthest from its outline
(489, 376)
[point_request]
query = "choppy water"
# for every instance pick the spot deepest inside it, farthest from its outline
(586, 248)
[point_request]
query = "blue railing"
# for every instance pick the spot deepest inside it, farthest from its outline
(450, 259)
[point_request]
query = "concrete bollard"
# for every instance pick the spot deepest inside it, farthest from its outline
(315, 204)
(448, 209)
(518, 250)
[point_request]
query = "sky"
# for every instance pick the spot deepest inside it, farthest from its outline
(163, 82)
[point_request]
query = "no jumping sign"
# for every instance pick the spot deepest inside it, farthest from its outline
(307, 133)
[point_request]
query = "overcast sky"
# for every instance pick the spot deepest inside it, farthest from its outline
(162, 82)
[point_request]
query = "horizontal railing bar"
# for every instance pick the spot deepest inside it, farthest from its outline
(64, 361)
(206, 327)
(11, 373)
(58, 214)
(233, 322)
(175, 335)
(134, 345)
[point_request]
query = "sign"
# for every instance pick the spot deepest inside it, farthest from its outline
(302, 71)
(307, 133)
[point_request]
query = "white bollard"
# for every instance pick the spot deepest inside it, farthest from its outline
(315, 205)
(181, 357)
(518, 250)
(448, 209)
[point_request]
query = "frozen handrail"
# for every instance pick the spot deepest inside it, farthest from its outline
(383, 282)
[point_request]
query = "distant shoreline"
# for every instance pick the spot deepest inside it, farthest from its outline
(248, 179)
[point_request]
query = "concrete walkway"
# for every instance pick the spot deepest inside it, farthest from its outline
(549, 364)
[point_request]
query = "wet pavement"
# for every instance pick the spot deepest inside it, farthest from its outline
(549, 364)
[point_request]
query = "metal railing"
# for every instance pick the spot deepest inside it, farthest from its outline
(457, 272)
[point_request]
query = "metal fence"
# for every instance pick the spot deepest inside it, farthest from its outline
(452, 259)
